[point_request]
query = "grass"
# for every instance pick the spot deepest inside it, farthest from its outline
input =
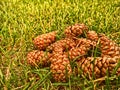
(22, 20)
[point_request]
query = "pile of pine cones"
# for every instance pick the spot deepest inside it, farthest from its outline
(92, 53)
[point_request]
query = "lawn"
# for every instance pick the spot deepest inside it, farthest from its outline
(22, 20)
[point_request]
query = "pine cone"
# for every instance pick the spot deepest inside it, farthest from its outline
(75, 53)
(93, 36)
(44, 40)
(82, 41)
(109, 47)
(61, 45)
(82, 48)
(36, 58)
(97, 67)
(60, 67)
(75, 30)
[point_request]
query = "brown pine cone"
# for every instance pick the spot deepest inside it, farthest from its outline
(98, 67)
(61, 45)
(75, 30)
(93, 36)
(78, 52)
(82, 41)
(82, 47)
(109, 47)
(44, 40)
(60, 67)
(37, 58)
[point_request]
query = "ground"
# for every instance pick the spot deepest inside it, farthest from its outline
(22, 20)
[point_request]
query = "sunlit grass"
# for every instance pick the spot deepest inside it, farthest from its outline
(22, 20)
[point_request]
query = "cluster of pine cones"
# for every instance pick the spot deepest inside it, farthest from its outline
(92, 53)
